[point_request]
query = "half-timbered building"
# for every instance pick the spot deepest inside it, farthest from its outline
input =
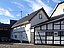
(49, 31)
(22, 30)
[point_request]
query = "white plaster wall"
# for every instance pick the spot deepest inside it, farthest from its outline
(36, 19)
(32, 30)
(43, 38)
(49, 42)
(18, 32)
(56, 38)
(25, 37)
(43, 42)
(62, 26)
(19, 36)
(42, 33)
(23, 28)
(59, 10)
(38, 42)
(62, 42)
(36, 33)
(62, 38)
(49, 37)
(19, 29)
(37, 37)
(56, 42)
(27, 29)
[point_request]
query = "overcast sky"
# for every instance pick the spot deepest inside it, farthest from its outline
(11, 9)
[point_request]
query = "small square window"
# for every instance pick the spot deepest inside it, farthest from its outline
(15, 36)
(40, 16)
(49, 33)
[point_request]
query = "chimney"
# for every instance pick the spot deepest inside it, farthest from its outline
(28, 14)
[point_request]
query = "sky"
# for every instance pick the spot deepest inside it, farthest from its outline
(16, 9)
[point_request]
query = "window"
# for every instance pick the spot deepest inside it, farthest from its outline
(62, 33)
(40, 16)
(15, 36)
(49, 33)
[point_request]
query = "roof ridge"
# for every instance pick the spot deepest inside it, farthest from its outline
(56, 8)
(30, 16)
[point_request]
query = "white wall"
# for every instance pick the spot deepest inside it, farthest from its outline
(27, 29)
(59, 10)
(36, 19)
(19, 36)
(21, 29)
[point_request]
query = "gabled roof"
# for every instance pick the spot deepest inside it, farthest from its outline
(56, 7)
(4, 25)
(29, 17)
(52, 19)
(57, 17)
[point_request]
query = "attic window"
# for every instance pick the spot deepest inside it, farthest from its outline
(40, 16)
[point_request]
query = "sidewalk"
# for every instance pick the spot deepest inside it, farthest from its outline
(23, 45)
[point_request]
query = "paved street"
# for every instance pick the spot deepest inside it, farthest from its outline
(27, 46)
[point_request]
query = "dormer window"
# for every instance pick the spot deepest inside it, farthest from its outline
(40, 16)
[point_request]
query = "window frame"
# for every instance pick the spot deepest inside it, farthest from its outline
(40, 16)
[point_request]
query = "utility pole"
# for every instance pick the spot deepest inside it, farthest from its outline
(21, 14)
